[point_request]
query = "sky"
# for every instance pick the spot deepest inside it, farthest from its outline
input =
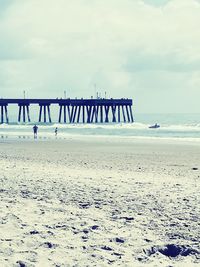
(146, 50)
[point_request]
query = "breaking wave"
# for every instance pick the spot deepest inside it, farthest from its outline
(121, 129)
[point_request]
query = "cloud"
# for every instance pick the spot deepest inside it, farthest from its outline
(171, 62)
(128, 48)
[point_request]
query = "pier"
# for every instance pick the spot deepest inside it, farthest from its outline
(98, 110)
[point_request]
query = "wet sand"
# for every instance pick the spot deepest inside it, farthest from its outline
(99, 202)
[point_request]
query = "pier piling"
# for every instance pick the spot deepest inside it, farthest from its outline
(24, 114)
(4, 113)
(45, 109)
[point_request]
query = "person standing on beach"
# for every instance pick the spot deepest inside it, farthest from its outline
(56, 132)
(35, 130)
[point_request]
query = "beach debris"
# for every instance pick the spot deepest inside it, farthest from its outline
(49, 245)
(34, 232)
(94, 227)
(59, 225)
(21, 264)
(110, 261)
(85, 231)
(172, 250)
(127, 218)
(106, 248)
(142, 258)
(117, 254)
(194, 168)
(8, 239)
(147, 240)
(119, 240)
(85, 238)
(84, 205)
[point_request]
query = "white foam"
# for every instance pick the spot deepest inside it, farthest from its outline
(111, 129)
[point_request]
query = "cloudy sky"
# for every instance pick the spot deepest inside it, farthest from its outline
(148, 50)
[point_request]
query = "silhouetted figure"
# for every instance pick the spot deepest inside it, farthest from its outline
(35, 130)
(56, 131)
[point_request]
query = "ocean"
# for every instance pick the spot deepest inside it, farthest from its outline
(185, 126)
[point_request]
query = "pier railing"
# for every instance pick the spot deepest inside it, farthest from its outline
(71, 110)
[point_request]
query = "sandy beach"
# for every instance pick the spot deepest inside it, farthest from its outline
(99, 202)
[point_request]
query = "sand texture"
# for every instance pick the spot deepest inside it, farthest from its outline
(99, 203)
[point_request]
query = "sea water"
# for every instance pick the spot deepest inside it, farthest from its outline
(171, 126)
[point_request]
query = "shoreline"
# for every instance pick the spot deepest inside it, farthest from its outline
(86, 137)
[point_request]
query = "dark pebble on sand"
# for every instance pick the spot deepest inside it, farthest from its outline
(34, 232)
(119, 240)
(106, 248)
(173, 250)
(195, 169)
(117, 254)
(49, 245)
(94, 227)
(84, 205)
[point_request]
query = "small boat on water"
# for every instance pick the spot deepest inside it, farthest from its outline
(155, 126)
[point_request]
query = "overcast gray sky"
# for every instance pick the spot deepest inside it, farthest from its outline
(148, 50)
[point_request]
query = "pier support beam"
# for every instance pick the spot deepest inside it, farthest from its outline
(127, 112)
(89, 109)
(101, 114)
(60, 113)
(131, 113)
(123, 112)
(119, 119)
(65, 114)
(96, 114)
(79, 112)
(106, 113)
(24, 114)
(4, 114)
(45, 109)
(63, 111)
(71, 115)
(114, 113)
(74, 114)
(92, 114)
(83, 113)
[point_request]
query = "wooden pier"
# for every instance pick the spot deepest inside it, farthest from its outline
(71, 110)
